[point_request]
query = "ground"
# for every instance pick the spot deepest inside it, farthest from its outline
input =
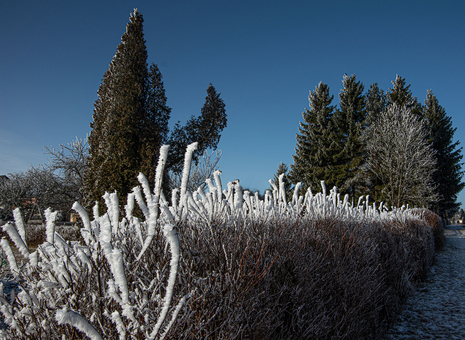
(437, 309)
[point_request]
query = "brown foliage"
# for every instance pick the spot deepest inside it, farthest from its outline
(299, 280)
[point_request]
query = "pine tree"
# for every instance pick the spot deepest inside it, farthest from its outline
(349, 122)
(129, 120)
(448, 174)
(313, 160)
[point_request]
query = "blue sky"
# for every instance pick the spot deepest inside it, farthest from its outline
(263, 56)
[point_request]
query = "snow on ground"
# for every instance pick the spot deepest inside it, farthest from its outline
(437, 309)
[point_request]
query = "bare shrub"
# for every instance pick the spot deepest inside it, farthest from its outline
(246, 268)
(437, 223)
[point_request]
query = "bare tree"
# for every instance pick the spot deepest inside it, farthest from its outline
(204, 169)
(399, 154)
(57, 185)
(69, 164)
(13, 190)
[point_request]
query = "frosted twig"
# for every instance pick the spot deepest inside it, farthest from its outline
(20, 224)
(16, 238)
(173, 240)
(76, 320)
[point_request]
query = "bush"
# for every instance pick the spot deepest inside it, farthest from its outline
(237, 267)
(437, 223)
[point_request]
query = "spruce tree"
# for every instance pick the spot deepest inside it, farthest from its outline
(283, 169)
(401, 95)
(129, 120)
(349, 122)
(376, 102)
(448, 174)
(313, 160)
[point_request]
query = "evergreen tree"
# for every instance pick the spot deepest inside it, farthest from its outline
(313, 160)
(448, 174)
(154, 129)
(113, 141)
(129, 120)
(283, 169)
(205, 129)
(349, 122)
(401, 95)
(376, 102)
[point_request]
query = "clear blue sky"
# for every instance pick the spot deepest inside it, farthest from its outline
(263, 56)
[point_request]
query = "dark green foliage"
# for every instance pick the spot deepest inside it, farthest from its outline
(376, 101)
(205, 129)
(130, 122)
(349, 123)
(283, 169)
(401, 95)
(313, 160)
(332, 144)
(154, 129)
(122, 126)
(448, 175)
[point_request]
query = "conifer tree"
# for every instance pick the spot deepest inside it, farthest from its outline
(205, 129)
(349, 122)
(313, 160)
(154, 129)
(448, 174)
(401, 95)
(283, 169)
(376, 102)
(129, 121)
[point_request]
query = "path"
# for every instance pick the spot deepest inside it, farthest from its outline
(437, 309)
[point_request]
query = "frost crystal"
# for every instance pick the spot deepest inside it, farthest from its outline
(72, 318)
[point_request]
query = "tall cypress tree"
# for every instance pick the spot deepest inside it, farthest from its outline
(448, 175)
(154, 129)
(349, 122)
(313, 160)
(129, 120)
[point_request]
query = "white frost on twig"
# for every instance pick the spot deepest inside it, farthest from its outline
(50, 217)
(173, 240)
(76, 320)
(20, 224)
(10, 256)
(16, 238)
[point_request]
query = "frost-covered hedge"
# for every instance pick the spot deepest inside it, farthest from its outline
(220, 264)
